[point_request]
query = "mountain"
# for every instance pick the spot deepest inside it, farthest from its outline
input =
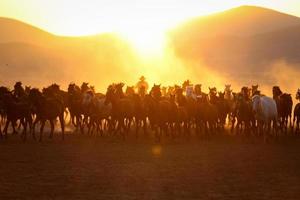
(14, 30)
(240, 21)
(243, 40)
(37, 57)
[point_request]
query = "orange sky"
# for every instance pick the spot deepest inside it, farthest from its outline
(74, 17)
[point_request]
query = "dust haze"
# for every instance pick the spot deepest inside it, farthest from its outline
(109, 59)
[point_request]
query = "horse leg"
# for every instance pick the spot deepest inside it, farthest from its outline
(237, 127)
(297, 125)
(33, 127)
(0, 131)
(232, 124)
(29, 121)
(285, 123)
(138, 124)
(89, 125)
(145, 126)
(13, 123)
(128, 125)
(24, 134)
(291, 125)
(81, 124)
(51, 128)
(275, 127)
(62, 125)
(120, 126)
(42, 129)
(6, 127)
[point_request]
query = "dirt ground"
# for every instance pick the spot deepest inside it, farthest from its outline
(83, 167)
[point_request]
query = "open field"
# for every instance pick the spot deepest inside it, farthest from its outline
(82, 167)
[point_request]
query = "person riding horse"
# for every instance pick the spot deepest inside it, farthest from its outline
(142, 86)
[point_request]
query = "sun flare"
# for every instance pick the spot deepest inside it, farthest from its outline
(145, 42)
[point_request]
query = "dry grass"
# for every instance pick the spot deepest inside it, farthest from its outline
(109, 168)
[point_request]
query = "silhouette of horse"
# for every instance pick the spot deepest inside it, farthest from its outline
(254, 90)
(296, 118)
(284, 105)
(160, 115)
(122, 108)
(15, 110)
(46, 108)
(223, 109)
(96, 110)
(243, 114)
(75, 105)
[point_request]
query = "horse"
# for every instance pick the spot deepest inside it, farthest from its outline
(75, 108)
(254, 90)
(296, 118)
(15, 110)
(223, 109)
(183, 110)
(159, 111)
(140, 115)
(243, 114)
(284, 105)
(206, 115)
(96, 110)
(265, 112)
(47, 108)
(122, 108)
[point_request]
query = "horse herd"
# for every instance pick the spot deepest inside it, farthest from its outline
(176, 111)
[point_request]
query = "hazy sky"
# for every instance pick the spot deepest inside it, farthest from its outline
(80, 17)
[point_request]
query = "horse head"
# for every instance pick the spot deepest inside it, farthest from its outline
(197, 89)
(227, 87)
(84, 87)
(110, 94)
(276, 92)
(155, 91)
(298, 94)
(35, 96)
(212, 91)
(221, 95)
(186, 83)
(130, 91)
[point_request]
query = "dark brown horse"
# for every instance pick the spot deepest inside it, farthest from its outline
(47, 108)
(296, 120)
(122, 108)
(284, 103)
(207, 115)
(160, 111)
(243, 114)
(15, 110)
(74, 97)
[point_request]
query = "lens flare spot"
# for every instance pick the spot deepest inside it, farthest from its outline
(156, 150)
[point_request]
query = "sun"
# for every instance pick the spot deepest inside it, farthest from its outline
(144, 40)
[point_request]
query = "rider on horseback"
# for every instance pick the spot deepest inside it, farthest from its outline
(142, 86)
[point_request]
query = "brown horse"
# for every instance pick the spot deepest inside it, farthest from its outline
(122, 108)
(75, 105)
(207, 115)
(244, 114)
(15, 110)
(47, 108)
(297, 114)
(284, 105)
(160, 115)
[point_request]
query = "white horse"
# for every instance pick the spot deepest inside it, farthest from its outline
(265, 111)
